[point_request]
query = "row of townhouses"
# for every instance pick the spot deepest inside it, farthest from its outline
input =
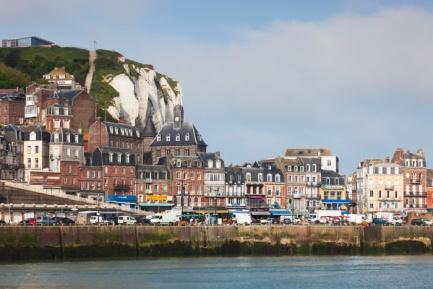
(50, 136)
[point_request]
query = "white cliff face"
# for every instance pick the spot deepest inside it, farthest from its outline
(142, 95)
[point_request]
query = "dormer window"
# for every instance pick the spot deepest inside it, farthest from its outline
(314, 168)
(116, 130)
(177, 137)
(137, 133)
(122, 131)
(167, 137)
(76, 138)
(289, 168)
(130, 132)
(187, 137)
(248, 177)
(218, 164)
(119, 158)
(68, 137)
(260, 177)
(269, 178)
(127, 158)
(56, 137)
(110, 157)
(277, 178)
(158, 137)
(210, 164)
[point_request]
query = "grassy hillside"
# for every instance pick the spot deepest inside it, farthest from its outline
(37, 61)
(21, 66)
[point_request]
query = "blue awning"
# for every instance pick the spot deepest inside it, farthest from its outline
(337, 201)
(279, 212)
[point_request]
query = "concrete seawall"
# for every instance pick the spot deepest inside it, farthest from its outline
(57, 243)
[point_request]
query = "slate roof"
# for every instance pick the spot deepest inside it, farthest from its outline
(123, 130)
(41, 133)
(63, 132)
(101, 156)
(186, 130)
(69, 95)
(149, 130)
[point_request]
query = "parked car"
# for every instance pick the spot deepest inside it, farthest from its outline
(422, 222)
(143, 220)
(156, 220)
(291, 220)
(94, 220)
(29, 221)
(45, 221)
(126, 220)
(265, 221)
(63, 221)
(379, 221)
(396, 221)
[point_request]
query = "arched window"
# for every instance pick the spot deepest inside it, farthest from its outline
(308, 167)
(277, 178)
(269, 178)
(187, 137)
(314, 168)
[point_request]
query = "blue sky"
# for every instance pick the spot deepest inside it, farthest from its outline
(260, 76)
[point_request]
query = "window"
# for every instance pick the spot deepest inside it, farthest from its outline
(127, 158)
(269, 178)
(371, 193)
(277, 178)
(260, 177)
(329, 163)
(36, 149)
(68, 152)
(119, 157)
(29, 162)
(177, 137)
(68, 137)
(36, 163)
(289, 168)
(308, 167)
(167, 137)
(111, 129)
(29, 149)
(187, 137)
(314, 168)
(158, 137)
(110, 157)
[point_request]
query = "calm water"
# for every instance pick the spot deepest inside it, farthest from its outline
(221, 273)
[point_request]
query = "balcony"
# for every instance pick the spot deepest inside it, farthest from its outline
(414, 195)
(313, 184)
(415, 180)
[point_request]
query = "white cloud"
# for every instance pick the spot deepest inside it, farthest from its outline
(357, 83)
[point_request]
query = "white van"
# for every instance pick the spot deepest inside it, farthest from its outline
(97, 220)
(243, 218)
(126, 220)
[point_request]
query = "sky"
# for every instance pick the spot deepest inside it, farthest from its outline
(260, 76)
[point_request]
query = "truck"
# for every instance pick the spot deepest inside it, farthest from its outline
(324, 216)
(166, 218)
(242, 218)
(356, 219)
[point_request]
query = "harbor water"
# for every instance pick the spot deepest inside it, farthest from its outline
(240, 273)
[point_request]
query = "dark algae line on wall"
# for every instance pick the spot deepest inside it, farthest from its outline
(77, 242)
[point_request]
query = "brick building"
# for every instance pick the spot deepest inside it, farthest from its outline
(413, 168)
(117, 167)
(177, 138)
(12, 107)
(80, 105)
(429, 201)
(12, 166)
(187, 181)
(153, 186)
(275, 186)
(66, 156)
(116, 135)
(214, 181)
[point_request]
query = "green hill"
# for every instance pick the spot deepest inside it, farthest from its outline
(21, 66)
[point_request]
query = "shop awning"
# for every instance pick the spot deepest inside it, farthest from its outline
(260, 213)
(279, 212)
(337, 201)
(151, 205)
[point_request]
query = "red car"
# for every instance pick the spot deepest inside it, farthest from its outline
(30, 221)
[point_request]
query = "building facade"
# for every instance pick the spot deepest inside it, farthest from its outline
(177, 138)
(214, 181)
(414, 170)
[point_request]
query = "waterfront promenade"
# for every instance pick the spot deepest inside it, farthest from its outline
(64, 242)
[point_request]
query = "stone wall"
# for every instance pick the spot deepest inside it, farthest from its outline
(26, 243)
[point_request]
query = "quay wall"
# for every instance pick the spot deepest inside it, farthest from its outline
(77, 242)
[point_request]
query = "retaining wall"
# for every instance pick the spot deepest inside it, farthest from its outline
(54, 242)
